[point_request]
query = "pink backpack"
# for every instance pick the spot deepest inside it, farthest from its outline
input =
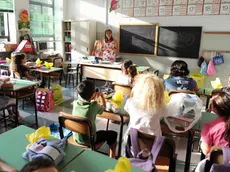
(44, 100)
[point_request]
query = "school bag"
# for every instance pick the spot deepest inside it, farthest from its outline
(143, 159)
(185, 111)
(44, 100)
(211, 71)
(57, 94)
(212, 163)
(47, 149)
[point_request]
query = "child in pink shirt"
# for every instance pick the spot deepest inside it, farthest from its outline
(217, 132)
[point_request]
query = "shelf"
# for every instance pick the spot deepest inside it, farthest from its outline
(220, 33)
(67, 41)
(67, 52)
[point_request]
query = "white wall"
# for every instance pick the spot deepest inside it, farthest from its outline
(82, 9)
(87, 10)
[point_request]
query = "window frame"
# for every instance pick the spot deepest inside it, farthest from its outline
(42, 4)
(7, 23)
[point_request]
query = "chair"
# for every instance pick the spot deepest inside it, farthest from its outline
(57, 62)
(71, 72)
(11, 109)
(79, 125)
(166, 160)
(181, 91)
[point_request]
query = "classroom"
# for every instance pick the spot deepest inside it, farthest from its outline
(114, 85)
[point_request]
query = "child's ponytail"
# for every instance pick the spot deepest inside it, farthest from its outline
(132, 71)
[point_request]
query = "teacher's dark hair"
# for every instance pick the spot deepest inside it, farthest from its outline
(106, 39)
(221, 103)
(179, 68)
(37, 164)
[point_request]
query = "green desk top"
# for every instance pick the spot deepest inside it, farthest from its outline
(206, 117)
(90, 161)
(21, 84)
(46, 70)
(142, 68)
(15, 143)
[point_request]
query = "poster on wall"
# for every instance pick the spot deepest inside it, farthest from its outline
(150, 8)
(151, 11)
(151, 3)
(128, 12)
(179, 10)
(139, 3)
(139, 12)
(195, 9)
(224, 8)
(165, 10)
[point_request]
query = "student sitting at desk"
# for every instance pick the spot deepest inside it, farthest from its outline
(146, 104)
(128, 72)
(178, 79)
(217, 132)
(87, 107)
(18, 67)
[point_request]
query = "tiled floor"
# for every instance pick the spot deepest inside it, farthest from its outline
(46, 118)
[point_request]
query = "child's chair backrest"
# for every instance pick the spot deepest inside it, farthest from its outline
(219, 160)
(155, 145)
(76, 124)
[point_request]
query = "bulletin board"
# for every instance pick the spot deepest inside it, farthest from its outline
(152, 8)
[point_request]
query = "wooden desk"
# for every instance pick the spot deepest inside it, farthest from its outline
(18, 88)
(108, 72)
(120, 118)
(45, 70)
(14, 144)
(90, 161)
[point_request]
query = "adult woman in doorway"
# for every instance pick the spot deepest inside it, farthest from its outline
(109, 47)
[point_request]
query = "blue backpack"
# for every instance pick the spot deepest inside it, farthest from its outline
(143, 159)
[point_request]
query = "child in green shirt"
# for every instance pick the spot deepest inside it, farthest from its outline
(86, 106)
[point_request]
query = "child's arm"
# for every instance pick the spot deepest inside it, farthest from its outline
(99, 98)
(5, 167)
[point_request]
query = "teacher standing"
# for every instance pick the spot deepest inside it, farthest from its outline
(109, 47)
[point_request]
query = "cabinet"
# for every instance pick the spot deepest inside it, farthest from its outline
(80, 39)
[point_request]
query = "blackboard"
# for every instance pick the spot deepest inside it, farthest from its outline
(179, 41)
(138, 39)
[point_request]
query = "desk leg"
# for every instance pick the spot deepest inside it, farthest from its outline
(120, 135)
(81, 74)
(16, 118)
(189, 152)
(49, 81)
(35, 109)
(107, 126)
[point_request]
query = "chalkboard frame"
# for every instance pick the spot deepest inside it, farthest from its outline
(190, 57)
(143, 24)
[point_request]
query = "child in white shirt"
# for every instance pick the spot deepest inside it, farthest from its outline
(146, 104)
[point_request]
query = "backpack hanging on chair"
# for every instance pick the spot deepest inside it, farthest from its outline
(143, 159)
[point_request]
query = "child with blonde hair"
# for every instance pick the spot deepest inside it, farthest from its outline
(146, 104)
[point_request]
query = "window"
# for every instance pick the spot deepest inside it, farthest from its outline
(45, 26)
(4, 27)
